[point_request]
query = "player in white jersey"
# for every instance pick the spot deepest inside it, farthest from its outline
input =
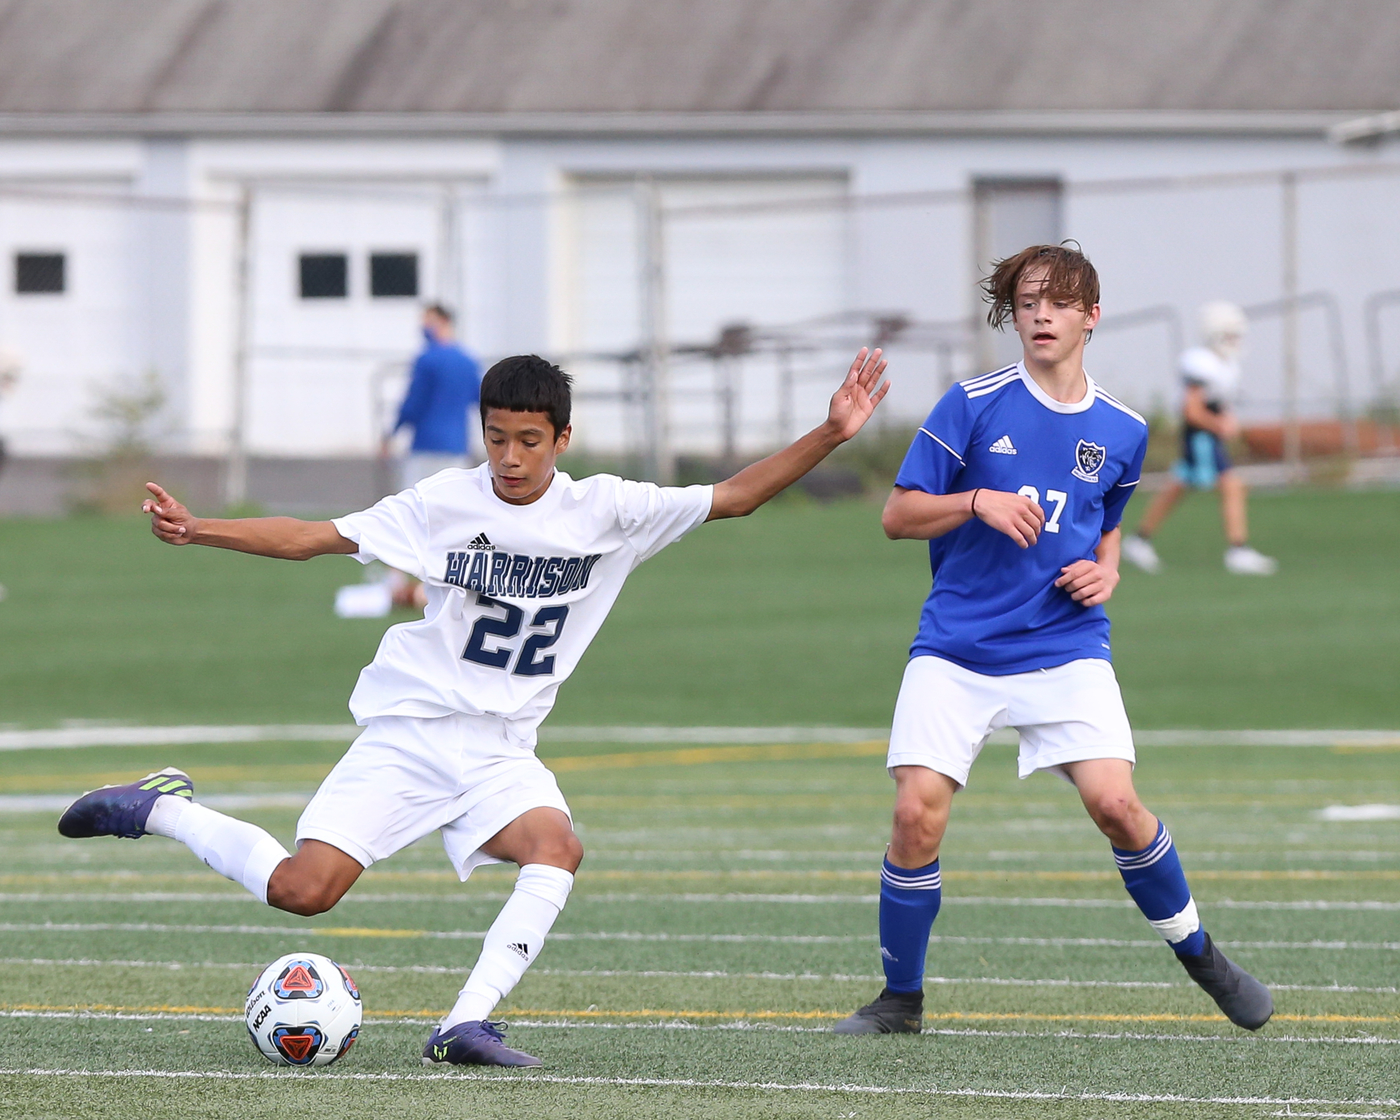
(1018, 480)
(521, 564)
(1210, 377)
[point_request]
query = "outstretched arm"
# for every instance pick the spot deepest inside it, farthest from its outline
(283, 538)
(850, 408)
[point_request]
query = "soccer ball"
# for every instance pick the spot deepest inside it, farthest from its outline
(303, 1010)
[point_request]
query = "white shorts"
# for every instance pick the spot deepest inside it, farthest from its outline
(405, 776)
(945, 714)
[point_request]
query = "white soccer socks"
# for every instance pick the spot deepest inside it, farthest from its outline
(513, 941)
(235, 849)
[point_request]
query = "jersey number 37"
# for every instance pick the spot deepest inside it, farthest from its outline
(528, 663)
(1057, 497)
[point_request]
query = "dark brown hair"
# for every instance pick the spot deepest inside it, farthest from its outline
(1069, 276)
(528, 383)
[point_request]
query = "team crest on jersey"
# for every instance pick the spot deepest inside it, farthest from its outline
(1088, 460)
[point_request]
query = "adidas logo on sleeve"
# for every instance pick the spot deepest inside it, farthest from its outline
(1003, 446)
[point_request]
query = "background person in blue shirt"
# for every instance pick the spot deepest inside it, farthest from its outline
(442, 393)
(1018, 480)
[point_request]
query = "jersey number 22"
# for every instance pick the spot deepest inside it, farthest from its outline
(528, 663)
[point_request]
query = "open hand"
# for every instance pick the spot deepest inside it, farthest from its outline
(853, 403)
(1088, 582)
(170, 521)
(1013, 514)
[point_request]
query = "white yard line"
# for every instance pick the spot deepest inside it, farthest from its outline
(707, 974)
(707, 1083)
(623, 935)
(739, 1026)
(1336, 1115)
(124, 736)
(160, 736)
(1364, 905)
(57, 802)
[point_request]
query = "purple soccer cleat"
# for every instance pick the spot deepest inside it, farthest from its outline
(474, 1044)
(123, 810)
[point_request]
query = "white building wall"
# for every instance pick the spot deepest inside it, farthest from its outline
(536, 242)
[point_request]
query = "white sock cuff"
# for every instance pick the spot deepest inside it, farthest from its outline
(263, 860)
(1179, 926)
(165, 814)
(552, 884)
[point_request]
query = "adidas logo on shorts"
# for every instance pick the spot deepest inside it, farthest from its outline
(481, 543)
(1003, 446)
(521, 948)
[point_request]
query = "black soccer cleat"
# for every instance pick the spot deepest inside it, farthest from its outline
(1245, 1001)
(891, 1013)
(123, 810)
(474, 1044)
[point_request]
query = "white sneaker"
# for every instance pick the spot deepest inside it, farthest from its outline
(1241, 560)
(1141, 553)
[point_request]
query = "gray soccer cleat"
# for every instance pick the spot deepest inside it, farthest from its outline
(1245, 1001)
(891, 1013)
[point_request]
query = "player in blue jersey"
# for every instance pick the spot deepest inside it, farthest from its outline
(1018, 481)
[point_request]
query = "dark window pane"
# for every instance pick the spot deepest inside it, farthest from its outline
(323, 275)
(39, 272)
(393, 274)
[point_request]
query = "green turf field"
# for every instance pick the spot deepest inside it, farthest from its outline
(800, 614)
(723, 919)
(725, 914)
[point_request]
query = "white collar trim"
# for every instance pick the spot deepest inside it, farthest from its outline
(1082, 405)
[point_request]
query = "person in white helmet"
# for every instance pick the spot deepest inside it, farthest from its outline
(1211, 375)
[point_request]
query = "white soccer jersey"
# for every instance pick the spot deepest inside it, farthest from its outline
(515, 593)
(1218, 377)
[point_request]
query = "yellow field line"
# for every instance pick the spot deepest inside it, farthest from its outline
(667, 1013)
(696, 756)
(116, 1008)
(621, 760)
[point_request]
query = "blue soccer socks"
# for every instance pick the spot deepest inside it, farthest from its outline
(1154, 878)
(909, 900)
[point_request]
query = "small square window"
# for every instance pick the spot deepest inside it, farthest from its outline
(393, 274)
(323, 275)
(37, 273)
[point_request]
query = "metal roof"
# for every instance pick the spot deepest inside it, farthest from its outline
(563, 60)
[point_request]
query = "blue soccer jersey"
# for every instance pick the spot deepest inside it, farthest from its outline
(994, 607)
